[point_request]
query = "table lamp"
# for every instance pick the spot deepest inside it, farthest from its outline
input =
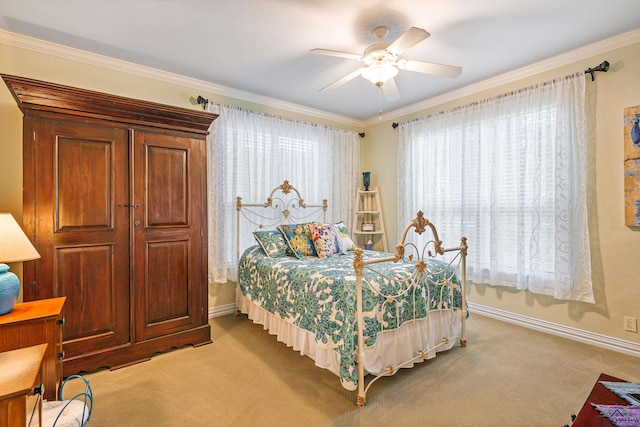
(14, 247)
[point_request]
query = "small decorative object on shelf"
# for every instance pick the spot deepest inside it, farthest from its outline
(366, 180)
(368, 226)
(369, 245)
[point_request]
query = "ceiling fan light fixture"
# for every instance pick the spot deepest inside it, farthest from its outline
(378, 74)
(382, 62)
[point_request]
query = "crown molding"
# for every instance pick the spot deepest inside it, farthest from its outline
(41, 46)
(579, 54)
(73, 54)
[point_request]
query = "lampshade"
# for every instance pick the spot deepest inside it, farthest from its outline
(378, 74)
(14, 244)
(14, 247)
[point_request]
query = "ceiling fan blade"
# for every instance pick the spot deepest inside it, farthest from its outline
(342, 80)
(429, 68)
(339, 54)
(410, 38)
(390, 90)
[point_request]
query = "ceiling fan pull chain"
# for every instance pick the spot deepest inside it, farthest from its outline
(380, 99)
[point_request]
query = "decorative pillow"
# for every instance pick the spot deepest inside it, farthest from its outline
(341, 247)
(325, 240)
(299, 240)
(272, 242)
(343, 233)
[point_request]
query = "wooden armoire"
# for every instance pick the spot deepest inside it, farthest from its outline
(115, 203)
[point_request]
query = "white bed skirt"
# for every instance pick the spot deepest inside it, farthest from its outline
(437, 332)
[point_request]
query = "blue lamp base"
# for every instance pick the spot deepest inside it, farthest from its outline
(9, 289)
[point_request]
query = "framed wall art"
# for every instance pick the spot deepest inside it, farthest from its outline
(632, 166)
(368, 226)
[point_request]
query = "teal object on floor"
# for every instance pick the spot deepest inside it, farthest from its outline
(9, 289)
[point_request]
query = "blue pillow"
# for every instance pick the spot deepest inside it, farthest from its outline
(272, 242)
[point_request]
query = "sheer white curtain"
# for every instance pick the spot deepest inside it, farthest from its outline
(250, 153)
(510, 174)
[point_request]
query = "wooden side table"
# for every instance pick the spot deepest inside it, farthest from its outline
(37, 322)
(20, 372)
(588, 415)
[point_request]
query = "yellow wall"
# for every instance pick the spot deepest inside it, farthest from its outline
(615, 247)
(616, 279)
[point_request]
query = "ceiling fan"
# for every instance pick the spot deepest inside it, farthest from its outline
(382, 62)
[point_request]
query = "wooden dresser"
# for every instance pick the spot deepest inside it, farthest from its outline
(20, 373)
(32, 323)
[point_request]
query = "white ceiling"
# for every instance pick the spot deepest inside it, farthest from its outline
(262, 46)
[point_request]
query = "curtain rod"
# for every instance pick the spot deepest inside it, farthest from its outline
(205, 102)
(602, 67)
(202, 101)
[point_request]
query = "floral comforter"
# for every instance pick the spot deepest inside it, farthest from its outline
(319, 296)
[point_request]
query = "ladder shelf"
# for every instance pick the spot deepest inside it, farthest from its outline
(368, 221)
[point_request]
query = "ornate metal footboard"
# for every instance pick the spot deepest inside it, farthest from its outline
(442, 278)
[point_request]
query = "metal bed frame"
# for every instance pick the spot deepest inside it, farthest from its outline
(285, 204)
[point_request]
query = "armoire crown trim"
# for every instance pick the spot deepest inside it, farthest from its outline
(33, 94)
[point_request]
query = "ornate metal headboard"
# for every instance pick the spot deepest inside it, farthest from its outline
(284, 205)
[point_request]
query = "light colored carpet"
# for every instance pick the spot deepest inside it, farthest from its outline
(506, 376)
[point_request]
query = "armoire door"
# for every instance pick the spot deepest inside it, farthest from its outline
(169, 225)
(78, 178)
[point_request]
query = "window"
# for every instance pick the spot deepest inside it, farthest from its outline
(250, 153)
(510, 174)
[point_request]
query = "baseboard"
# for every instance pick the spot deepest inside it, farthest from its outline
(592, 338)
(598, 340)
(222, 310)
